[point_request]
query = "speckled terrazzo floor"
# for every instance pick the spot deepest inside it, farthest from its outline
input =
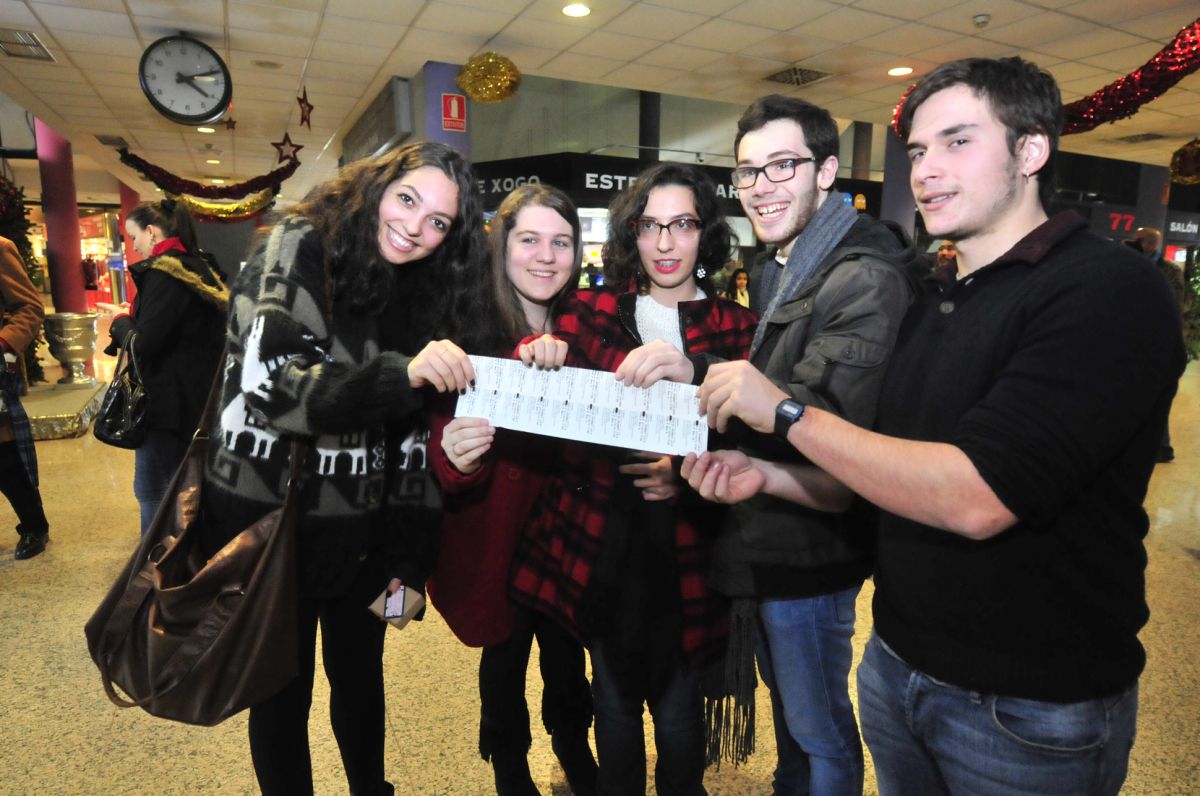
(60, 735)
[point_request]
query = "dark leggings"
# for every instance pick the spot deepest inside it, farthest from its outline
(20, 491)
(352, 650)
(566, 695)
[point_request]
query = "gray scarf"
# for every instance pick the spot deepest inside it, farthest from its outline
(819, 237)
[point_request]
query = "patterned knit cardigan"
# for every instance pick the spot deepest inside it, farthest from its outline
(557, 557)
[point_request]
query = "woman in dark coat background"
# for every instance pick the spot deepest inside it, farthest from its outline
(178, 323)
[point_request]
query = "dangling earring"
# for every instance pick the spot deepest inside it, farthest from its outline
(701, 272)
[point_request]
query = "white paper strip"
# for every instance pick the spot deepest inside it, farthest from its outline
(585, 405)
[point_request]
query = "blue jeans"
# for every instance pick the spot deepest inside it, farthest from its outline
(804, 658)
(154, 465)
(928, 737)
(621, 745)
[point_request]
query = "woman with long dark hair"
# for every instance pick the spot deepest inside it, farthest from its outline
(609, 555)
(492, 481)
(176, 323)
(340, 331)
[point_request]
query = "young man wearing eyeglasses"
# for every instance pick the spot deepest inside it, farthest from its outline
(830, 294)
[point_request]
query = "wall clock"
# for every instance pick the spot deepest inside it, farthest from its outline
(185, 80)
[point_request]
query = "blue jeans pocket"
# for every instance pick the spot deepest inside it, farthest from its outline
(1072, 728)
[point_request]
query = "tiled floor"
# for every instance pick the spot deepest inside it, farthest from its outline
(60, 735)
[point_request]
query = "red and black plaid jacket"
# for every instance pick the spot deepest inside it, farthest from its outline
(556, 558)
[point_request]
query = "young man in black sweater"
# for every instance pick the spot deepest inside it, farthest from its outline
(1016, 434)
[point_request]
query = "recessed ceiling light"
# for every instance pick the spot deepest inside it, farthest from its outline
(217, 181)
(900, 71)
(213, 162)
(576, 10)
(205, 130)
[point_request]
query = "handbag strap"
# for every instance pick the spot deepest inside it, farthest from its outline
(127, 347)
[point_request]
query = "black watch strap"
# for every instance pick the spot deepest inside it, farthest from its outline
(787, 413)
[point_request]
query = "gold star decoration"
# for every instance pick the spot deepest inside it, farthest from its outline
(306, 109)
(287, 150)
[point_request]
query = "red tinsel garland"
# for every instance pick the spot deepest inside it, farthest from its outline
(175, 185)
(1123, 97)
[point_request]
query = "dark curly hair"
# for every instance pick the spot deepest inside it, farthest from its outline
(511, 317)
(436, 295)
(623, 262)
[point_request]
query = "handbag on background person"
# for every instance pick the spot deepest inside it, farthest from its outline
(197, 640)
(121, 420)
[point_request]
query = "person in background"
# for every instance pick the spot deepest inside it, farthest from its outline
(340, 332)
(23, 314)
(1148, 241)
(612, 557)
(492, 481)
(175, 328)
(946, 254)
(738, 288)
(1015, 441)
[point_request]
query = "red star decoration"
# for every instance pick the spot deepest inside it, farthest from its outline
(231, 124)
(287, 150)
(306, 109)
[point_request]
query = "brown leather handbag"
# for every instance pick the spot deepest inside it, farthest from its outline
(196, 640)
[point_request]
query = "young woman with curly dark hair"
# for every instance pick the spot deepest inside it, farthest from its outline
(339, 332)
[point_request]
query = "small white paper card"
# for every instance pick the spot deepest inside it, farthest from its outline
(585, 405)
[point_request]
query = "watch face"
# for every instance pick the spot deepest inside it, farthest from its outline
(185, 80)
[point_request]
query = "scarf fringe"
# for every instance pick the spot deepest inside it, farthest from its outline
(729, 718)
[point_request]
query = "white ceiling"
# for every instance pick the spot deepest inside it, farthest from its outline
(344, 50)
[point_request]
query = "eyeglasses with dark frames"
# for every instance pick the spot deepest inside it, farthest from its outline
(682, 227)
(776, 171)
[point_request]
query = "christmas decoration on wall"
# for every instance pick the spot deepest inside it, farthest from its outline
(1185, 164)
(15, 225)
(489, 77)
(1125, 96)
(176, 185)
(286, 149)
(306, 109)
(228, 212)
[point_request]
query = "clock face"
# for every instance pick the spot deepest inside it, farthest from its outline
(185, 80)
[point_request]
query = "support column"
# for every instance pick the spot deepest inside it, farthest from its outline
(860, 163)
(129, 200)
(649, 125)
(445, 107)
(897, 203)
(61, 211)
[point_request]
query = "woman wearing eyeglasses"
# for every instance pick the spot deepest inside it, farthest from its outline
(611, 553)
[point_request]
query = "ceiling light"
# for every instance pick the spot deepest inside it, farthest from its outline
(213, 162)
(205, 130)
(981, 20)
(267, 64)
(576, 10)
(217, 181)
(900, 71)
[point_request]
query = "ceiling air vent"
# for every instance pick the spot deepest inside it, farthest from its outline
(113, 140)
(799, 76)
(1140, 138)
(23, 44)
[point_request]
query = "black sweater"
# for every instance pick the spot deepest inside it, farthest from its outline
(1052, 369)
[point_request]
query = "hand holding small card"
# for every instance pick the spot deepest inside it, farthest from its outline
(397, 609)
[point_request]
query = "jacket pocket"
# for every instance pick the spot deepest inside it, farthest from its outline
(839, 353)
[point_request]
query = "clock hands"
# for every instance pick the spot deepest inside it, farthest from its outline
(189, 80)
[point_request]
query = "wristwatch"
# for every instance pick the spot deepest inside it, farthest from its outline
(786, 413)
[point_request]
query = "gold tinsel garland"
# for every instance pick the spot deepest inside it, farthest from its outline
(489, 77)
(228, 211)
(1185, 164)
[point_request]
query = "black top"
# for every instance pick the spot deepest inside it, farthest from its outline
(1053, 369)
(179, 317)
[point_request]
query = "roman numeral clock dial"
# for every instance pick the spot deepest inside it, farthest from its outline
(185, 80)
